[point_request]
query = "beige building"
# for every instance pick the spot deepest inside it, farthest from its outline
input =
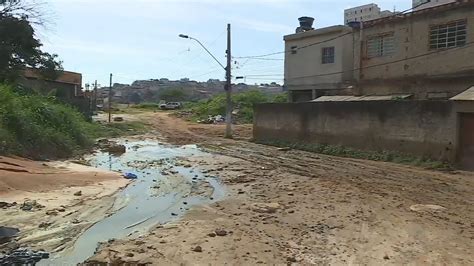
(428, 53)
(315, 66)
(364, 13)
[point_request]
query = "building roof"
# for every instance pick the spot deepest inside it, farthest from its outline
(467, 95)
(422, 12)
(362, 98)
(317, 32)
(67, 77)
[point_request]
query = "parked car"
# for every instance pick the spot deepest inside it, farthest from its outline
(170, 106)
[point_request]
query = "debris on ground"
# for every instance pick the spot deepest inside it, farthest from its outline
(130, 176)
(221, 232)
(7, 234)
(426, 207)
(212, 120)
(118, 119)
(31, 205)
(23, 256)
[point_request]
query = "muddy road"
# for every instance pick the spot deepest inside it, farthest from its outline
(285, 207)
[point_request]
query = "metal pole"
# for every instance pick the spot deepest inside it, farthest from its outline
(110, 100)
(228, 86)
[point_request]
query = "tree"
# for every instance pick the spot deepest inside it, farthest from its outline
(19, 47)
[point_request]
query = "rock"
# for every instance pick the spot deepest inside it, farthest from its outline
(291, 194)
(45, 225)
(284, 149)
(4, 205)
(78, 194)
(185, 203)
(76, 221)
(221, 232)
(174, 214)
(61, 209)
(52, 212)
(291, 259)
(197, 249)
(211, 234)
(129, 255)
(118, 119)
(386, 257)
(265, 207)
(241, 192)
(117, 149)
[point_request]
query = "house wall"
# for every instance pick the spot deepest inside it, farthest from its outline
(428, 4)
(414, 67)
(302, 69)
(423, 128)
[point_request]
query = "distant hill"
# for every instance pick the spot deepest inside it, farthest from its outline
(156, 90)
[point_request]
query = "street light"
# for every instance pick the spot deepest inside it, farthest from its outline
(202, 45)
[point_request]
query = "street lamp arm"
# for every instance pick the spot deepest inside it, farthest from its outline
(204, 47)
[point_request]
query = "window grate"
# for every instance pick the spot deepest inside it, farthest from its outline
(381, 46)
(450, 35)
(328, 55)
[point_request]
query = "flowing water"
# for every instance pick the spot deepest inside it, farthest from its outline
(143, 208)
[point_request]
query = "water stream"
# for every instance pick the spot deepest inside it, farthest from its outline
(143, 208)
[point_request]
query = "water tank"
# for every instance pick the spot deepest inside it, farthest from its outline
(306, 23)
(354, 24)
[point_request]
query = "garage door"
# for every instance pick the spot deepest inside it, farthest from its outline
(467, 141)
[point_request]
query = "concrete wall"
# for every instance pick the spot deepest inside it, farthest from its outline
(410, 68)
(423, 128)
(303, 67)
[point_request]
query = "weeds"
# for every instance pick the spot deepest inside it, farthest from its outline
(385, 156)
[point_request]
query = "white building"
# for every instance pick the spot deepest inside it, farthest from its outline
(422, 4)
(364, 13)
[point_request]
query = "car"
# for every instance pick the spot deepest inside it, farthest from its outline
(170, 106)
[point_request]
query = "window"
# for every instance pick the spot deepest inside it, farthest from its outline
(328, 55)
(448, 35)
(382, 45)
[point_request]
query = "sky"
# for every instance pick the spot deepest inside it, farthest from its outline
(138, 39)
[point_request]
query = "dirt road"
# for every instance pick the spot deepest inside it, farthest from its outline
(305, 208)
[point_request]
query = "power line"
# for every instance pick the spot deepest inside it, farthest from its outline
(299, 48)
(384, 64)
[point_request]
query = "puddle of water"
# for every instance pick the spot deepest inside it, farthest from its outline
(143, 210)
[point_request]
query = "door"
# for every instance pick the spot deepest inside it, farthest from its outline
(466, 141)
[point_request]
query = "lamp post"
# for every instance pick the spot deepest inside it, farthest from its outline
(228, 85)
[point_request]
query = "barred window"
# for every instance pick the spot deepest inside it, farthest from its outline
(450, 35)
(328, 55)
(382, 45)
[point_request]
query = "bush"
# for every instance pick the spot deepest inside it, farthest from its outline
(37, 127)
(243, 102)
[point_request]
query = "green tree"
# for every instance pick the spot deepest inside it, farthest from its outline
(19, 47)
(173, 95)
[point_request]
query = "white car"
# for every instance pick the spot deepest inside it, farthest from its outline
(170, 106)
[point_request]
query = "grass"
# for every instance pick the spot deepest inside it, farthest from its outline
(39, 127)
(385, 156)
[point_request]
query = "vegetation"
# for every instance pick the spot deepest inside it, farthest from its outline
(39, 127)
(243, 105)
(19, 46)
(385, 156)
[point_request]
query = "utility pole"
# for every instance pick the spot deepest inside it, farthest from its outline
(95, 95)
(228, 86)
(110, 100)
